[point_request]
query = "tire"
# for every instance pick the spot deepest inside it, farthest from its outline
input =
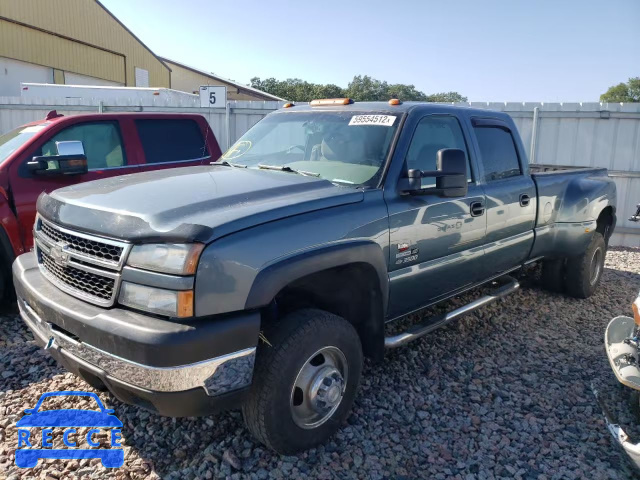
(584, 272)
(273, 411)
(552, 277)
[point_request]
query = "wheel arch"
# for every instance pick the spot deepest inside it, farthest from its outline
(348, 279)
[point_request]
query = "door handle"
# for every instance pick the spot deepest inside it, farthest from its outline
(477, 209)
(524, 200)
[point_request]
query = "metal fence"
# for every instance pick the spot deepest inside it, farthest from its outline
(581, 134)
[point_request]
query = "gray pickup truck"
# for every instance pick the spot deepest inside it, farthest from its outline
(262, 280)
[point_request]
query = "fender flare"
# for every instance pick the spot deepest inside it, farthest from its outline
(282, 272)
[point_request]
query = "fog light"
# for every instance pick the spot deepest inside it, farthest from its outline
(157, 300)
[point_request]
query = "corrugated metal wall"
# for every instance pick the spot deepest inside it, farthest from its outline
(98, 45)
(587, 134)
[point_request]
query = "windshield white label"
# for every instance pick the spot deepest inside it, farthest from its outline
(384, 120)
(32, 129)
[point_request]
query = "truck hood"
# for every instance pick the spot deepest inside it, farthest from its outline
(189, 204)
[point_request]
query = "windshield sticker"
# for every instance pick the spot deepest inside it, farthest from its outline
(384, 120)
(237, 150)
(33, 129)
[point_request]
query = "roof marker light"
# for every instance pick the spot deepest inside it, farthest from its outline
(289, 105)
(395, 101)
(330, 101)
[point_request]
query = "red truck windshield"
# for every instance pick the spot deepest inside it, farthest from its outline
(11, 141)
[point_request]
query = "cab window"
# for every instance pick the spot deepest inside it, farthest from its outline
(101, 141)
(434, 133)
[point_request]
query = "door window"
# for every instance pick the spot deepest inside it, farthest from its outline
(434, 133)
(171, 140)
(101, 141)
(498, 153)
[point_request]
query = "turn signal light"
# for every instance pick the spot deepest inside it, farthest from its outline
(636, 310)
(330, 101)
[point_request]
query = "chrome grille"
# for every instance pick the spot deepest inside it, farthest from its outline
(91, 248)
(82, 281)
(85, 266)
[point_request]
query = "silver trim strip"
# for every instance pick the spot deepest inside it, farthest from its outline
(217, 375)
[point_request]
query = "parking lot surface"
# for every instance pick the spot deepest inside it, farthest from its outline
(502, 393)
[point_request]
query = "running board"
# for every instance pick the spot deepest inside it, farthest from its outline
(505, 286)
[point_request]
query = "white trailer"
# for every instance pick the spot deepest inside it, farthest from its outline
(129, 95)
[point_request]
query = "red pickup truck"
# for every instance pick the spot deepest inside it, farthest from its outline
(59, 151)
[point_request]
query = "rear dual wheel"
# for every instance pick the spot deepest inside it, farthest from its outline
(578, 276)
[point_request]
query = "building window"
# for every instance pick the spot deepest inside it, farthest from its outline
(142, 77)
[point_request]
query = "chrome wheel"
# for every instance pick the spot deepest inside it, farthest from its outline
(596, 266)
(319, 387)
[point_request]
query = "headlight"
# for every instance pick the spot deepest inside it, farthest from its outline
(636, 310)
(157, 300)
(180, 259)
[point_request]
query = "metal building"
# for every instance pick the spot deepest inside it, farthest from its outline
(189, 79)
(72, 42)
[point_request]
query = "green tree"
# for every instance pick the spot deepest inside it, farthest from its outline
(623, 92)
(362, 88)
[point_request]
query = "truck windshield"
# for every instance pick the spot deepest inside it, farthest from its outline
(11, 141)
(347, 148)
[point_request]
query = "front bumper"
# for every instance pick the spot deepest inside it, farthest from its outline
(175, 369)
(620, 341)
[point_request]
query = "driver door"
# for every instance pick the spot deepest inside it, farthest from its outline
(436, 242)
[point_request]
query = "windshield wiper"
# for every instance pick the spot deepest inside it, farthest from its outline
(224, 163)
(285, 168)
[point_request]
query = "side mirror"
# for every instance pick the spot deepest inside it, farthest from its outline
(451, 176)
(70, 160)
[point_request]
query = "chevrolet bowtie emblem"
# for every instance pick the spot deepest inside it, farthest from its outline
(59, 255)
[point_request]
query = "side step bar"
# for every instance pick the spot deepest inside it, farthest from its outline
(505, 286)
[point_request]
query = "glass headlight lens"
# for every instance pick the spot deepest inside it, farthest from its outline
(177, 258)
(157, 300)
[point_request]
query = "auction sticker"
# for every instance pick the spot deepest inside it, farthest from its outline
(384, 120)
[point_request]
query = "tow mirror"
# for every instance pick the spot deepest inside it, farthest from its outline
(451, 176)
(70, 160)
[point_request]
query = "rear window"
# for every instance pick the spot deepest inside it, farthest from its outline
(498, 153)
(171, 140)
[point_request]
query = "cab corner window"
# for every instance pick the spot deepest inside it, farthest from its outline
(498, 153)
(171, 140)
(432, 134)
(101, 141)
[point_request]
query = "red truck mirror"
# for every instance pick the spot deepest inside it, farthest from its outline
(70, 160)
(451, 176)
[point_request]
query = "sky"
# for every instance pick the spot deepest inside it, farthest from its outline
(487, 50)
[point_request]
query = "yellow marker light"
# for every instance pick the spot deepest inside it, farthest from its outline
(289, 105)
(636, 310)
(330, 101)
(395, 101)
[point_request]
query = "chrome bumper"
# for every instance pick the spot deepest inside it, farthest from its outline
(622, 351)
(217, 375)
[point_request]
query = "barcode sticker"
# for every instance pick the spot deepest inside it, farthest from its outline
(384, 120)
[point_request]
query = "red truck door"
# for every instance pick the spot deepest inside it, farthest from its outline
(106, 154)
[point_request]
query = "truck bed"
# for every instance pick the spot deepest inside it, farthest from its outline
(546, 168)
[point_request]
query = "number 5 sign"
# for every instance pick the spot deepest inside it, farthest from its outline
(213, 96)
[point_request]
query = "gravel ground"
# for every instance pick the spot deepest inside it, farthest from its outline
(502, 393)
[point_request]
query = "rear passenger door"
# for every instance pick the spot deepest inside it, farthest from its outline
(171, 143)
(510, 195)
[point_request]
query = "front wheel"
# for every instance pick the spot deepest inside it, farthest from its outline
(305, 381)
(584, 272)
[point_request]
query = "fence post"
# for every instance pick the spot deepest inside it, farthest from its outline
(534, 136)
(227, 126)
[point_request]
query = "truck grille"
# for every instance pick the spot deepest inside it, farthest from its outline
(91, 248)
(79, 280)
(82, 265)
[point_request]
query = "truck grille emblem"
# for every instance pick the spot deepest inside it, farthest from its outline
(59, 256)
